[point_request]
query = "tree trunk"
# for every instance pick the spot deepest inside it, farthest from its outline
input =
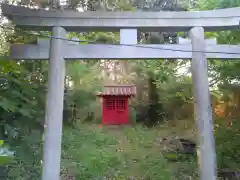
(155, 109)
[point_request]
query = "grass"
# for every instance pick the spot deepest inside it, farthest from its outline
(119, 153)
(93, 152)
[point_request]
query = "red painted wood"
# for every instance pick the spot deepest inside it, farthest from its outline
(122, 110)
(115, 110)
(108, 115)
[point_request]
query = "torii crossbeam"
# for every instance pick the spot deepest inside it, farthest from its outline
(128, 23)
(40, 51)
(221, 19)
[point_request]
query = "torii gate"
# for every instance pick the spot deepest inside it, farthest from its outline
(57, 50)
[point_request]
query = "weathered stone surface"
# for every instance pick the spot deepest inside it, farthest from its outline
(98, 51)
(220, 19)
(176, 144)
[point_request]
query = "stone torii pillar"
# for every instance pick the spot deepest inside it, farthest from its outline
(203, 115)
(54, 107)
(128, 36)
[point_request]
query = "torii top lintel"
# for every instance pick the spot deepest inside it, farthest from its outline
(38, 19)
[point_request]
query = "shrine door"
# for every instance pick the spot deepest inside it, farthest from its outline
(115, 111)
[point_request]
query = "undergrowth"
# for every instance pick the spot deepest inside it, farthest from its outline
(92, 152)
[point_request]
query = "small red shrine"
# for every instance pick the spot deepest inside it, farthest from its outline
(114, 101)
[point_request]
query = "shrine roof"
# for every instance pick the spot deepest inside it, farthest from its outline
(118, 90)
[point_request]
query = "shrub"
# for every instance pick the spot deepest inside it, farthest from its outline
(228, 145)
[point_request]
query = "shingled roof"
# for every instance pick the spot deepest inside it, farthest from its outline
(118, 90)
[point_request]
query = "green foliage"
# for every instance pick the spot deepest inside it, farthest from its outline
(6, 156)
(227, 145)
(178, 157)
(90, 158)
(158, 69)
(216, 4)
(223, 72)
(22, 101)
(19, 98)
(28, 156)
(81, 93)
(177, 97)
(132, 115)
